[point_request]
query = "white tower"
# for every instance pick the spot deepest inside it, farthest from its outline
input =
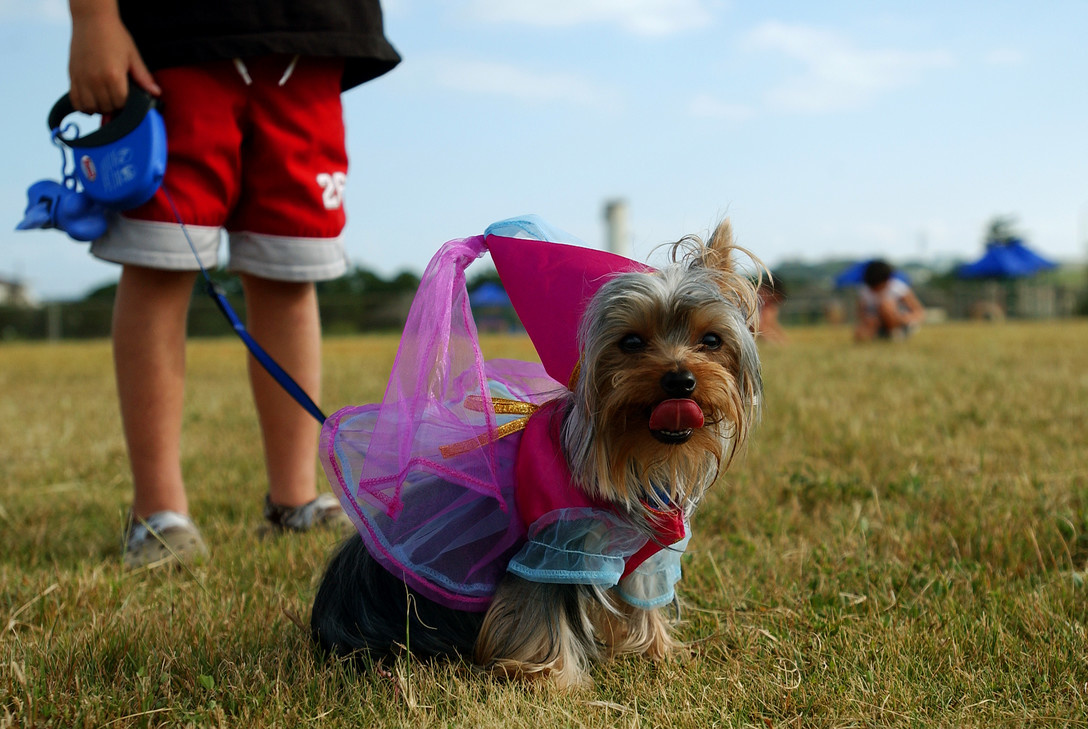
(615, 215)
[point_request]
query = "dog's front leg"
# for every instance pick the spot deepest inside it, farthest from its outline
(538, 631)
(626, 629)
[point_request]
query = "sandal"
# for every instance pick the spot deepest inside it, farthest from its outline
(324, 511)
(164, 537)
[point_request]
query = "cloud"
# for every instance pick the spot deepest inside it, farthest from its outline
(640, 17)
(502, 79)
(708, 107)
(836, 74)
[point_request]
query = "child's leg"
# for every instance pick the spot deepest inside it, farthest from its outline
(891, 318)
(866, 328)
(283, 317)
(285, 234)
(149, 318)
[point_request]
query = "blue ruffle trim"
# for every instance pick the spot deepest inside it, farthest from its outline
(585, 546)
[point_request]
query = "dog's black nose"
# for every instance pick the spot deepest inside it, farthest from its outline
(678, 383)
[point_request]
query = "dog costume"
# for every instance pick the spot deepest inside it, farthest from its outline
(456, 477)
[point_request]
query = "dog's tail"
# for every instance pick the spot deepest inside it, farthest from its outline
(361, 610)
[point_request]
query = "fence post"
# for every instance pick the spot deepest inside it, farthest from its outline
(54, 326)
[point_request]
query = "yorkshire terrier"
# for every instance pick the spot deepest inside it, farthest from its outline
(665, 394)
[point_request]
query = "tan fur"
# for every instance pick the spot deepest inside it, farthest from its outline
(527, 635)
(526, 638)
(718, 254)
(632, 631)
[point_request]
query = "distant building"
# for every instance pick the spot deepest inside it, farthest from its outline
(16, 293)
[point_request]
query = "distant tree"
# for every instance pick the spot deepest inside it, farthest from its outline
(106, 292)
(363, 281)
(226, 281)
(1002, 230)
(356, 281)
(479, 279)
(404, 281)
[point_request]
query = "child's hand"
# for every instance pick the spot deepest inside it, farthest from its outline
(102, 57)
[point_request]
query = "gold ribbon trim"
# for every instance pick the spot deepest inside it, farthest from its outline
(501, 406)
(574, 375)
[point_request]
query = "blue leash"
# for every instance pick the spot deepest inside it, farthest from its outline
(264, 358)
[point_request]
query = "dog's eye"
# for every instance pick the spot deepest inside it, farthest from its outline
(632, 344)
(711, 341)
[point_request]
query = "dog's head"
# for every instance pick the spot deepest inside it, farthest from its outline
(669, 380)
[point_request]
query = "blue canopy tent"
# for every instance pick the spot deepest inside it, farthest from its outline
(1010, 259)
(492, 308)
(489, 293)
(855, 275)
(1003, 263)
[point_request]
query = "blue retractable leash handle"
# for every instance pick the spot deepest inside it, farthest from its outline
(118, 167)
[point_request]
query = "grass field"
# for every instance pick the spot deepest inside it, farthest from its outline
(904, 544)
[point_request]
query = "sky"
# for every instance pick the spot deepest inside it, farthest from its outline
(832, 129)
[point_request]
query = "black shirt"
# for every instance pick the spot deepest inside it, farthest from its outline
(184, 32)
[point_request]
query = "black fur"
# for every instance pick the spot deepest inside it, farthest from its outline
(363, 610)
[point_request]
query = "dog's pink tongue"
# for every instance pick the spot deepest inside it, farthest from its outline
(678, 414)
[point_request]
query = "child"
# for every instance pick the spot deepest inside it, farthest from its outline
(887, 307)
(771, 293)
(250, 95)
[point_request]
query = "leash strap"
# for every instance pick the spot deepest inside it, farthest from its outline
(264, 358)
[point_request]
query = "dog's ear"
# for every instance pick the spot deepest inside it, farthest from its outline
(717, 256)
(714, 254)
(718, 253)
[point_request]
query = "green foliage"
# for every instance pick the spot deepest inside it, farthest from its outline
(905, 543)
(361, 281)
(359, 301)
(1001, 230)
(355, 282)
(104, 293)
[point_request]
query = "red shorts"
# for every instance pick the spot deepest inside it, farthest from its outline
(263, 160)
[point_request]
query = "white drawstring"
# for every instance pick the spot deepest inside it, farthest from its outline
(290, 70)
(244, 72)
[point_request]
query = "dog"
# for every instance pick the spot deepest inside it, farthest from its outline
(664, 395)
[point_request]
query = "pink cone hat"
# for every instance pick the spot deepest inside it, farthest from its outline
(550, 285)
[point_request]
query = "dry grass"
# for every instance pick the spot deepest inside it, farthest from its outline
(905, 544)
